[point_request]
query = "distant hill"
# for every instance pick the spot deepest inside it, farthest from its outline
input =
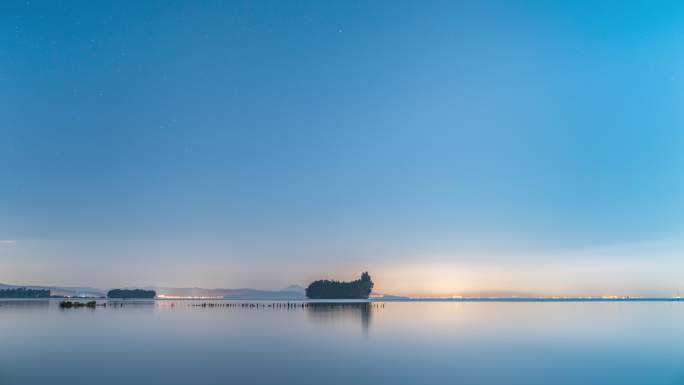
(293, 292)
(295, 288)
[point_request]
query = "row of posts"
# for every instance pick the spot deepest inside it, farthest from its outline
(287, 305)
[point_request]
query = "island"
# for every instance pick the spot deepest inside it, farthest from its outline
(326, 289)
(69, 304)
(21, 292)
(131, 294)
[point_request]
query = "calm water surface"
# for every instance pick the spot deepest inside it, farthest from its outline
(401, 343)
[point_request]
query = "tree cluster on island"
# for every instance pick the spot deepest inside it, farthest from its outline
(131, 294)
(326, 289)
(21, 292)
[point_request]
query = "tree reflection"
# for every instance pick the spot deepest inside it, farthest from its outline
(343, 313)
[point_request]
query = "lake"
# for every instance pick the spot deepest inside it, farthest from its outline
(172, 342)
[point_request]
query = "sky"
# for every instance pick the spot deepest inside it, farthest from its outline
(449, 148)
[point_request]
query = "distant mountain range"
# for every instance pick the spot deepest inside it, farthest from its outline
(291, 292)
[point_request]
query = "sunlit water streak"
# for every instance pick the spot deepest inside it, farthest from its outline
(172, 342)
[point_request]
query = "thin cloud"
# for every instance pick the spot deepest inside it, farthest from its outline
(7, 242)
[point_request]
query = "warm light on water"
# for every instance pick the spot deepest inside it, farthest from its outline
(169, 342)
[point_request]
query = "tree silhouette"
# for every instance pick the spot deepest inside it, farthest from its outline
(326, 289)
(21, 292)
(126, 293)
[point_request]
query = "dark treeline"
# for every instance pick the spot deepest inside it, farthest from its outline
(21, 292)
(325, 289)
(134, 293)
(69, 304)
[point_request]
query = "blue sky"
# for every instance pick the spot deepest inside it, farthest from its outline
(448, 147)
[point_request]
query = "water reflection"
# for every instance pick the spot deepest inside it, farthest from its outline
(343, 313)
(176, 343)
